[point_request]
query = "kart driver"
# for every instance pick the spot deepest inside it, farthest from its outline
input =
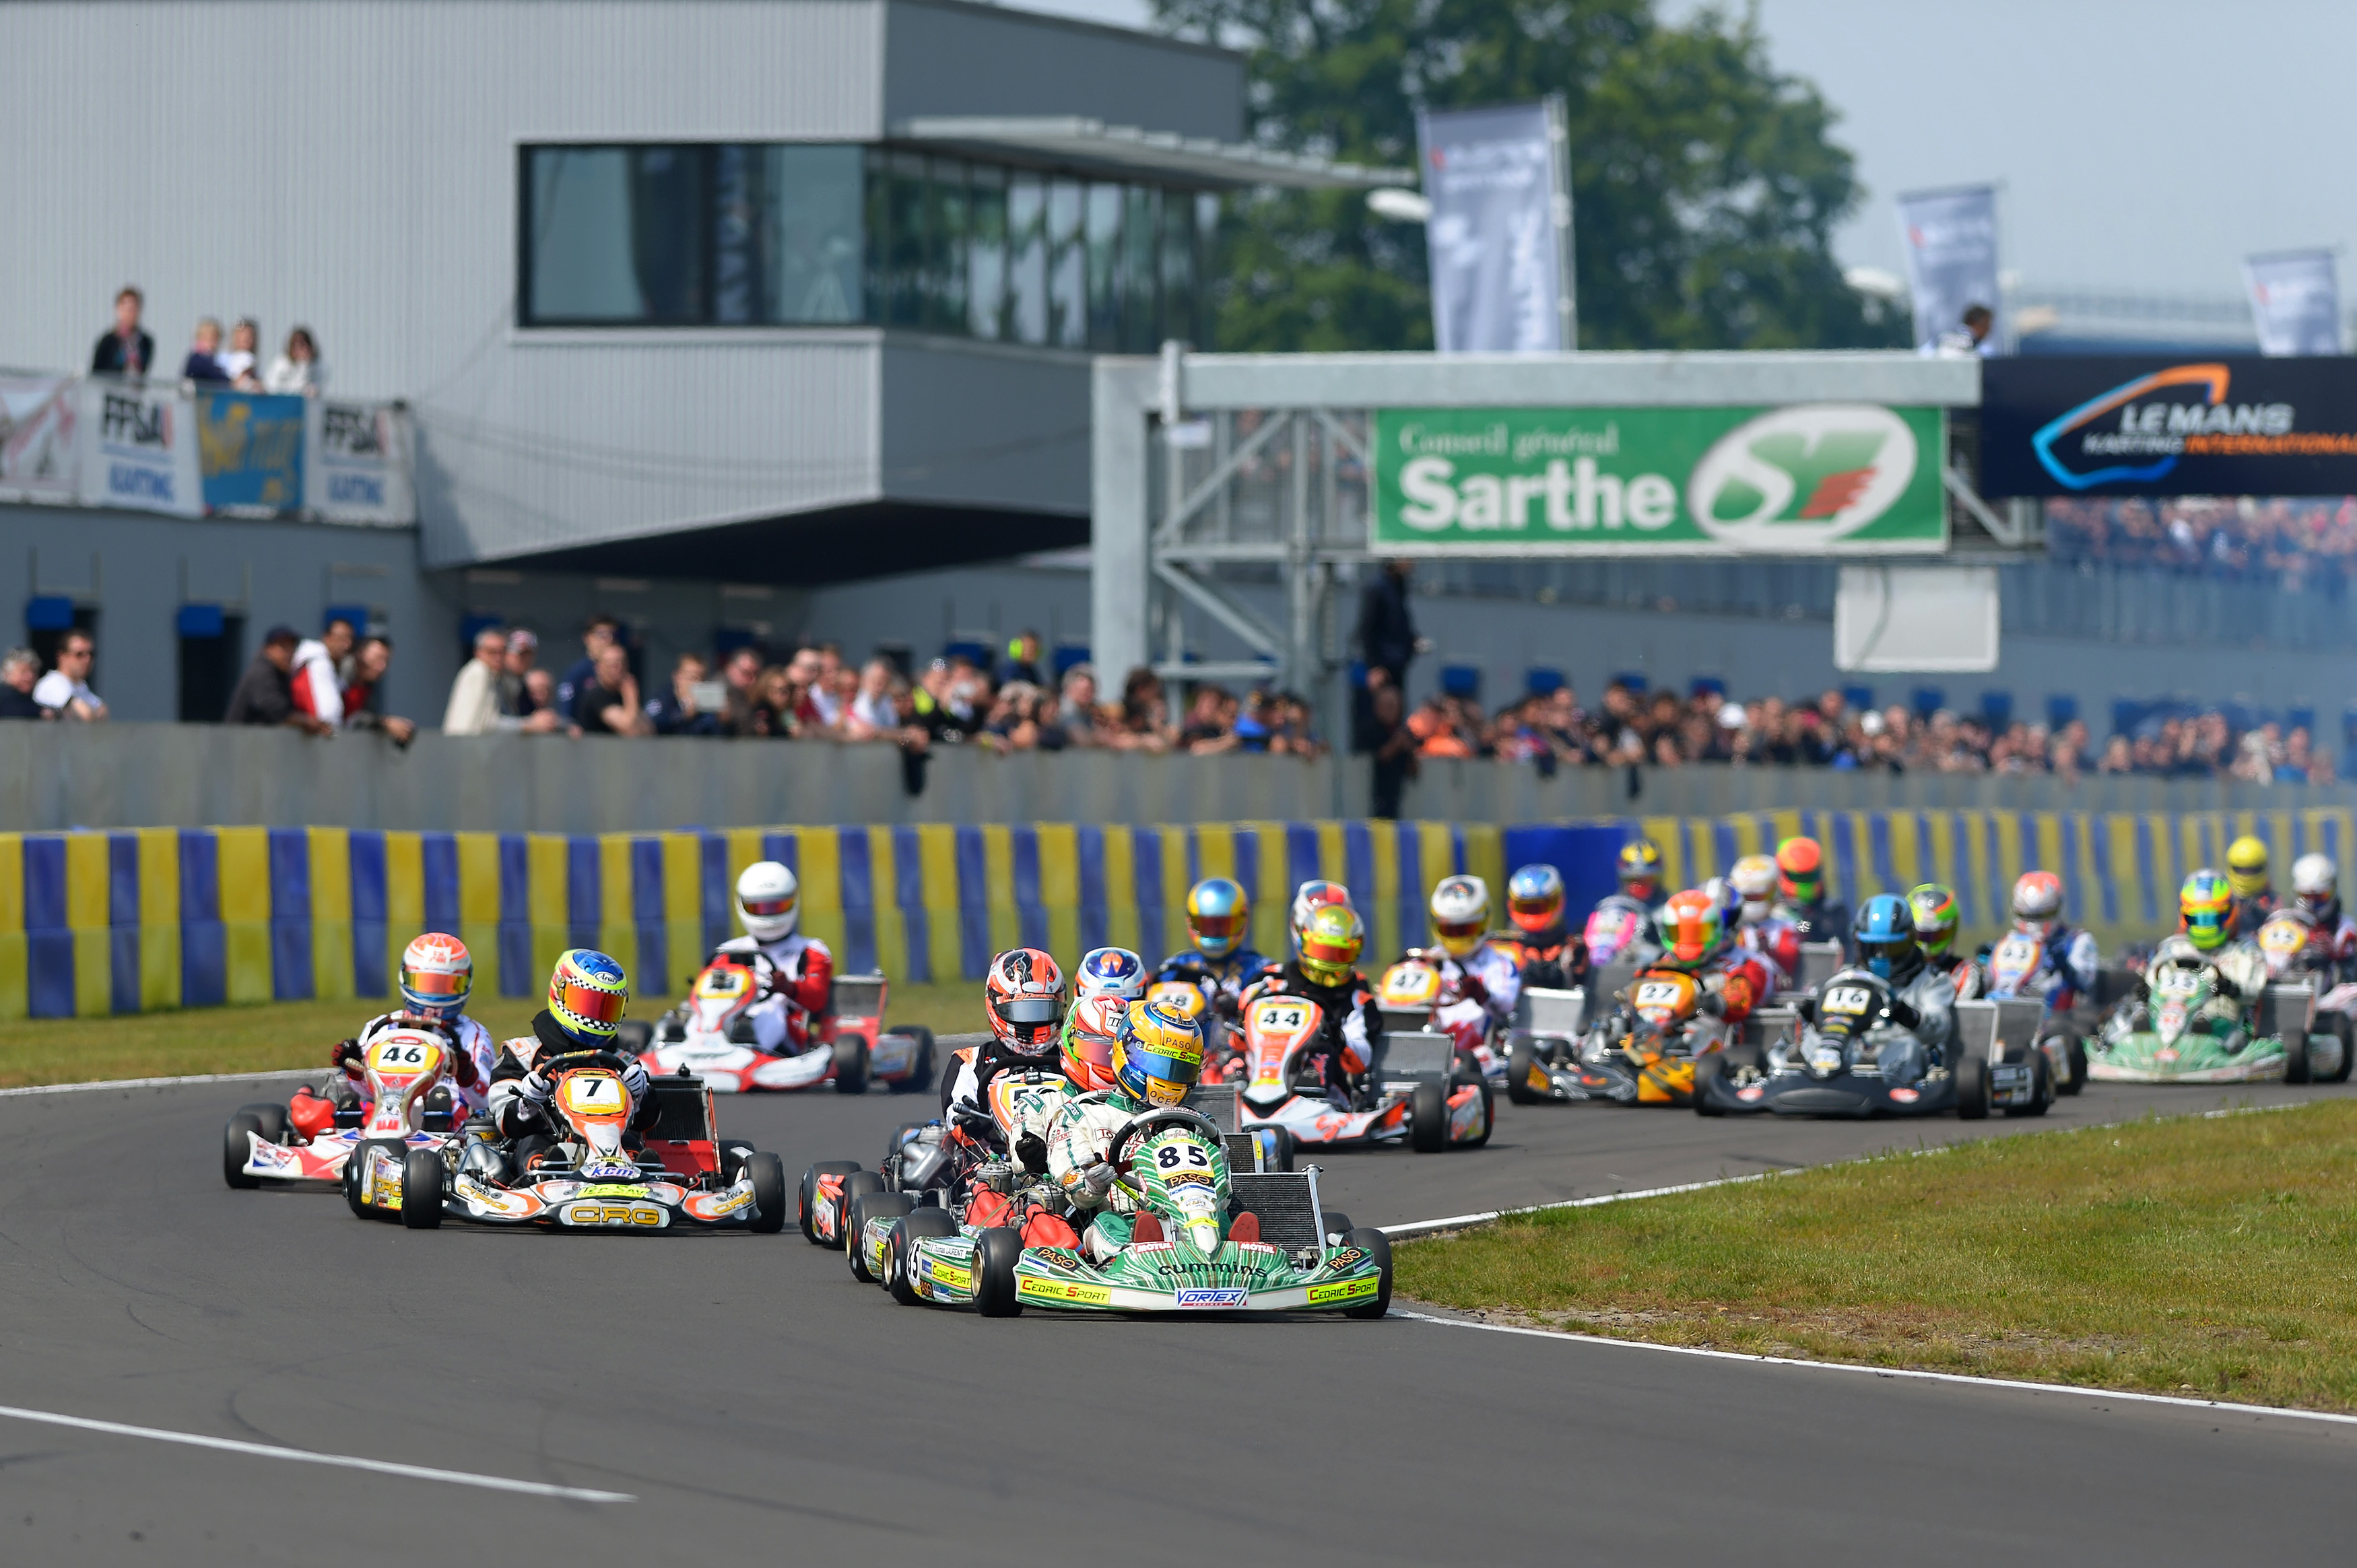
(2067, 962)
(1024, 996)
(1307, 900)
(1922, 998)
(1157, 1057)
(796, 972)
(2254, 893)
(2332, 939)
(586, 995)
(1932, 907)
(1801, 897)
(1690, 936)
(1485, 978)
(438, 975)
(1323, 971)
(2205, 938)
(1759, 927)
(1223, 961)
(1542, 947)
(1621, 920)
(1114, 972)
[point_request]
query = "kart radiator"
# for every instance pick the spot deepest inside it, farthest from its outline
(1559, 1014)
(1216, 1101)
(1610, 982)
(2287, 1007)
(859, 995)
(1285, 1203)
(1405, 1060)
(1820, 962)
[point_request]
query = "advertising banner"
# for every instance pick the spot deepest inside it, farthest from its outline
(250, 446)
(1950, 237)
(1496, 250)
(2296, 300)
(139, 448)
(356, 468)
(2144, 425)
(1811, 479)
(39, 459)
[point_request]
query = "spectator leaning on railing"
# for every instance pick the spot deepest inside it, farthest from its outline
(266, 692)
(363, 695)
(20, 669)
(65, 690)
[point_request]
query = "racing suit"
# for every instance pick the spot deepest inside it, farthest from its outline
(1819, 922)
(1077, 1141)
(473, 1054)
(965, 1104)
(520, 1093)
(2331, 952)
(1619, 923)
(1776, 942)
(2066, 971)
(2251, 913)
(798, 997)
(1931, 1039)
(1352, 1026)
(1551, 959)
(1487, 982)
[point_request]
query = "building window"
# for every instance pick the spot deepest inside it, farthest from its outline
(795, 235)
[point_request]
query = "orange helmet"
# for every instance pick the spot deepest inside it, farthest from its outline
(1026, 993)
(1801, 870)
(1690, 928)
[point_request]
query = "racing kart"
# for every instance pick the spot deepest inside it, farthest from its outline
(1418, 1089)
(1832, 1066)
(1411, 992)
(2012, 967)
(2161, 1038)
(710, 1036)
(412, 1105)
(1642, 1052)
(681, 1175)
(2287, 942)
(1203, 1238)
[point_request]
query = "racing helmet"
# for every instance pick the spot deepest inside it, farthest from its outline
(1460, 913)
(768, 900)
(1218, 914)
(1307, 900)
(1025, 991)
(2205, 907)
(1884, 933)
(438, 974)
(1754, 877)
(1933, 909)
(2037, 897)
(1088, 1041)
(1640, 868)
(586, 993)
(1331, 945)
(2316, 884)
(1534, 898)
(1801, 870)
(2246, 866)
(1158, 1054)
(1689, 929)
(1722, 893)
(1110, 971)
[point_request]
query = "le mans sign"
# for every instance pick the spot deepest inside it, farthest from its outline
(1812, 479)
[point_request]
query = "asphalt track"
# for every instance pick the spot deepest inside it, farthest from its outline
(751, 1399)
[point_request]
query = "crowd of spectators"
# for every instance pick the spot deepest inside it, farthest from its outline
(129, 350)
(2287, 541)
(321, 685)
(27, 692)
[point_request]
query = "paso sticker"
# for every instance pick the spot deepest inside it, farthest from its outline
(1343, 1290)
(1072, 1291)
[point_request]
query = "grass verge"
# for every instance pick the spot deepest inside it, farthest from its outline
(2210, 1258)
(297, 1034)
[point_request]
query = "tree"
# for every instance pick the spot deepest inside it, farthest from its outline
(1704, 184)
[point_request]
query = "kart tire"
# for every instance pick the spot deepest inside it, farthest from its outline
(769, 1174)
(922, 1222)
(273, 1117)
(236, 1149)
(421, 1190)
(2075, 1053)
(851, 1066)
(1708, 1068)
(1279, 1155)
(995, 1253)
(921, 1072)
(810, 1192)
(634, 1036)
(2295, 1058)
(1333, 1222)
(2041, 1085)
(855, 1216)
(733, 1156)
(1427, 1119)
(1521, 1060)
(854, 1186)
(352, 1187)
(1369, 1240)
(2346, 1028)
(1972, 1095)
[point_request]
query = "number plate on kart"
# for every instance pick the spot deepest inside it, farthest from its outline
(1847, 999)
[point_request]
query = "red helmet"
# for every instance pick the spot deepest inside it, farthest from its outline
(1026, 993)
(1801, 870)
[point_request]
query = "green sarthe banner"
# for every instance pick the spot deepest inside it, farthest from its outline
(1811, 479)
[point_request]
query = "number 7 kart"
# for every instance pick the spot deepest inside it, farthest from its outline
(1418, 1089)
(1202, 1237)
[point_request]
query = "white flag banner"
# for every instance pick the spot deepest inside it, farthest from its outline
(1950, 237)
(1494, 239)
(2296, 300)
(139, 448)
(38, 458)
(357, 465)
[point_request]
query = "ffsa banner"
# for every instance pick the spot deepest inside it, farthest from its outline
(2153, 426)
(2296, 301)
(1494, 241)
(38, 460)
(1950, 237)
(250, 446)
(357, 465)
(139, 448)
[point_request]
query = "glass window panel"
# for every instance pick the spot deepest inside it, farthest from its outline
(945, 236)
(1178, 266)
(1105, 267)
(1068, 265)
(1027, 265)
(1207, 271)
(904, 266)
(1141, 232)
(667, 207)
(985, 251)
(616, 234)
(737, 261)
(811, 245)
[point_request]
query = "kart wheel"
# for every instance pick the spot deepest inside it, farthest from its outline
(854, 1186)
(2295, 1058)
(273, 1117)
(1372, 1240)
(1276, 1152)
(769, 1174)
(1427, 1119)
(898, 1256)
(855, 1216)
(733, 1156)
(236, 1148)
(1973, 1101)
(1707, 1068)
(636, 1035)
(2075, 1053)
(2041, 1085)
(810, 1193)
(851, 1066)
(1521, 1064)
(995, 1251)
(921, 1072)
(2344, 1027)
(421, 1190)
(1334, 1222)
(353, 1168)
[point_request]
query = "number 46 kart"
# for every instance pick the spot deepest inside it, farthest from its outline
(309, 1140)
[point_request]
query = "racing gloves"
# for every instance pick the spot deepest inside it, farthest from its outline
(1031, 1152)
(1099, 1178)
(344, 1051)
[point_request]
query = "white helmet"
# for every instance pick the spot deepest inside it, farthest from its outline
(2314, 881)
(1460, 913)
(1754, 877)
(769, 901)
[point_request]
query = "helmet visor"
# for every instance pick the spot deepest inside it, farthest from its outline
(2316, 903)
(435, 983)
(1882, 957)
(2206, 929)
(1544, 905)
(1093, 1049)
(1804, 887)
(1219, 928)
(768, 909)
(1026, 1009)
(589, 1003)
(1457, 930)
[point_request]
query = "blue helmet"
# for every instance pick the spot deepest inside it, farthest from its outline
(1885, 932)
(1110, 971)
(1218, 913)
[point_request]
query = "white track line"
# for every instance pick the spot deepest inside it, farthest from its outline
(1964, 1378)
(305, 1456)
(159, 1082)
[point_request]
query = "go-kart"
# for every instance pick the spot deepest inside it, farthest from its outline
(2013, 963)
(412, 1106)
(711, 1036)
(1832, 1066)
(587, 1178)
(2162, 1036)
(1202, 1237)
(1413, 993)
(1415, 1089)
(1642, 1052)
(2287, 942)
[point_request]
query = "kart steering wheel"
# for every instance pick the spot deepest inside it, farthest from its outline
(1137, 1127)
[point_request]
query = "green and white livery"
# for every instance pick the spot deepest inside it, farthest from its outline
(2211, 1020)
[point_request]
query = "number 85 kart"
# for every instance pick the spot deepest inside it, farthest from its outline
(408, 1072)
(1192, 1246)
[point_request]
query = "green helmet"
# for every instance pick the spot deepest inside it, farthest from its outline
(1933, 909)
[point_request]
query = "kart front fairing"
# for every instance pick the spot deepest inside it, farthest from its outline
(322, 1159)
(622, 1199)
(1829, 1076)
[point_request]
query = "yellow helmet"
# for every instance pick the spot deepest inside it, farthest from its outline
(1331, 942)
(2206, 910)
(1158, 1054)
(2246, 866)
